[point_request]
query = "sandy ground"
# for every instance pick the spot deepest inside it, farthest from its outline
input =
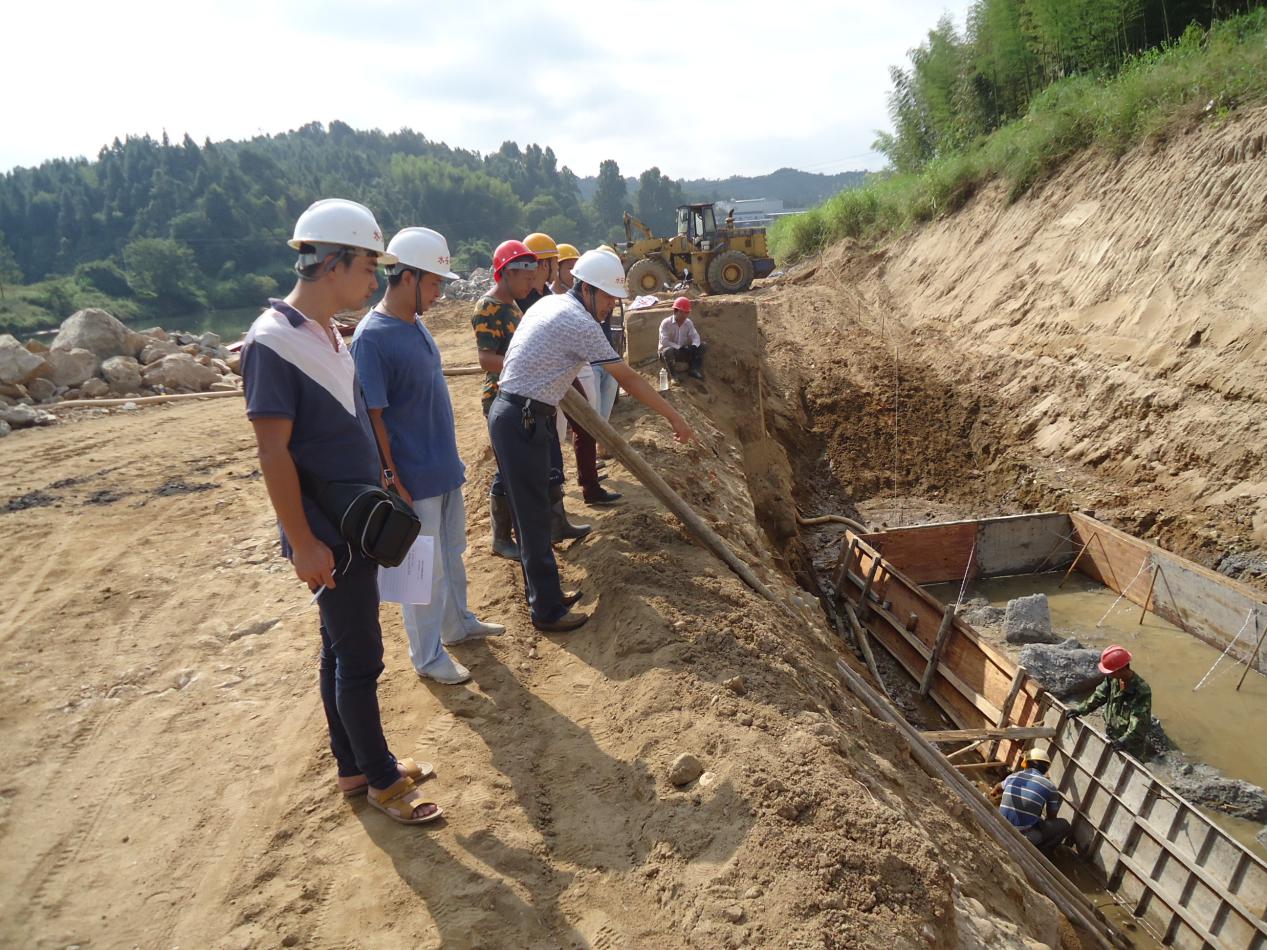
(166, 781)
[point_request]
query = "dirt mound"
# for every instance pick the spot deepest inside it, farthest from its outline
(166, 777)
(1101, 344)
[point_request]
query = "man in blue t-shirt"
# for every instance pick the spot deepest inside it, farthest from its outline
(310, 423)
(1029, 800)
(399, 368)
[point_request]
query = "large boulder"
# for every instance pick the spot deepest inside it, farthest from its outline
(983, 616)
(96, 331)
(73, 367)
(123, 373)
(41, 389)
(1028, 620)
(155, 350)
(94, 388)
(1064, 670)
(180, 372)
(1207, 786)
(17, 363)
(21, 417)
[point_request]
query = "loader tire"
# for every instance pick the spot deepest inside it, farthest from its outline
(730, 272)
(649, 277)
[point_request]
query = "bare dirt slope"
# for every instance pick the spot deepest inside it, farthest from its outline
(1100, 344)
(166, 781)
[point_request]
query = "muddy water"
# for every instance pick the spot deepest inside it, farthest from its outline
(1213, 724)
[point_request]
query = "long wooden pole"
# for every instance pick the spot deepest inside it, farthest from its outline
(863, 637)
(1254, 655)
(1013, 690)
(1041, 876)
(578, 408)
(1076, 559)
(1149, 597)
(136, 400)
(934, 659)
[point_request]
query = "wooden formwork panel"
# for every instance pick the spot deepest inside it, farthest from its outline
(992, 547)
(928, 554)
(1183, 876)
(1186, 879)
(1206, 604)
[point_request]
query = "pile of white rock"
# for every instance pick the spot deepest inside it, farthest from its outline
(473, 287)
(95, 356)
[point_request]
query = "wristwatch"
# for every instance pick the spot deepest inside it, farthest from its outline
(389, 476)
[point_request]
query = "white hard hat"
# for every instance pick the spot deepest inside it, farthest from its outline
(341, 222)
(603, 270)
(422, 249)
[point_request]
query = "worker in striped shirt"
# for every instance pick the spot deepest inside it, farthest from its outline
(1030, 801)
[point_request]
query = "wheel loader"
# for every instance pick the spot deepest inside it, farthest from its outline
(721, 260)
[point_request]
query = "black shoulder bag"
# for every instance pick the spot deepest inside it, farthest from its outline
(374, 520)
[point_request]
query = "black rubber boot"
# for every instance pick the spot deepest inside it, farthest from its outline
(503, 539)
(560, 528)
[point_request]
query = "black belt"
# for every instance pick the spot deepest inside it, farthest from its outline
(535, 406)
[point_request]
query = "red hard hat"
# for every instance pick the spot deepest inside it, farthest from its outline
(683, 304)
(1114, 658)
(509, 251)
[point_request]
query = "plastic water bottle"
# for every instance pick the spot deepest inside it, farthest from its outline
(664, 380)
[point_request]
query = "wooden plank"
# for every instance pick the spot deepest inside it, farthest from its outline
(1009, 732)
(928, 554)
(1013, 690)
(943, 634)
(864, 645)
(978, 766)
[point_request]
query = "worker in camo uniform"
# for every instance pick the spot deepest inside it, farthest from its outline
(1127, 702)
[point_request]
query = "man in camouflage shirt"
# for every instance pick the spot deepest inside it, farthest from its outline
(1127, 700)
(495, 320)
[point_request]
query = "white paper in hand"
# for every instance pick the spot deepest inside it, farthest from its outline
(410, 581)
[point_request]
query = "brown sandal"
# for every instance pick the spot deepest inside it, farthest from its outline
(393, 804)
(418, 772)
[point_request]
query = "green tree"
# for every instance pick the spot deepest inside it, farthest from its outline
(658, 196)
(611, 197)
(164, 273)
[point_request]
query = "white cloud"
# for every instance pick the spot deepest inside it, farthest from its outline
(701, 90)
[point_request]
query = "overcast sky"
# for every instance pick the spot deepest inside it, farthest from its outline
(699, 89)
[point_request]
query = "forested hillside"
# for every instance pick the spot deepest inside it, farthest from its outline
(154, 227)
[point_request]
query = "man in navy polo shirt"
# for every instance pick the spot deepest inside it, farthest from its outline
(304, 404)
(398, 364)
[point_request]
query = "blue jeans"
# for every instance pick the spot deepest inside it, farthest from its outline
(607, 390)
(351, 662)
(446, 618)
(523, 456)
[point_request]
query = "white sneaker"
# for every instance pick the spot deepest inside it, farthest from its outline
(476, 631)
(445, 669)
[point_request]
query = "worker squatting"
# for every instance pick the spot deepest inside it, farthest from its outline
(377, 415)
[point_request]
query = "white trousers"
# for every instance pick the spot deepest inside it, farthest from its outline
(446, 618)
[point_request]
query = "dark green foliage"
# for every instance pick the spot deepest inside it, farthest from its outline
(960, 87)
(657, 201)
(1196, 72)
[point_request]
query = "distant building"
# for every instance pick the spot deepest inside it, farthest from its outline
(753, 212)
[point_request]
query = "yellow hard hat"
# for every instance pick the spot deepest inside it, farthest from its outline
(1038, 755)
(542, 245)
(568, 253)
